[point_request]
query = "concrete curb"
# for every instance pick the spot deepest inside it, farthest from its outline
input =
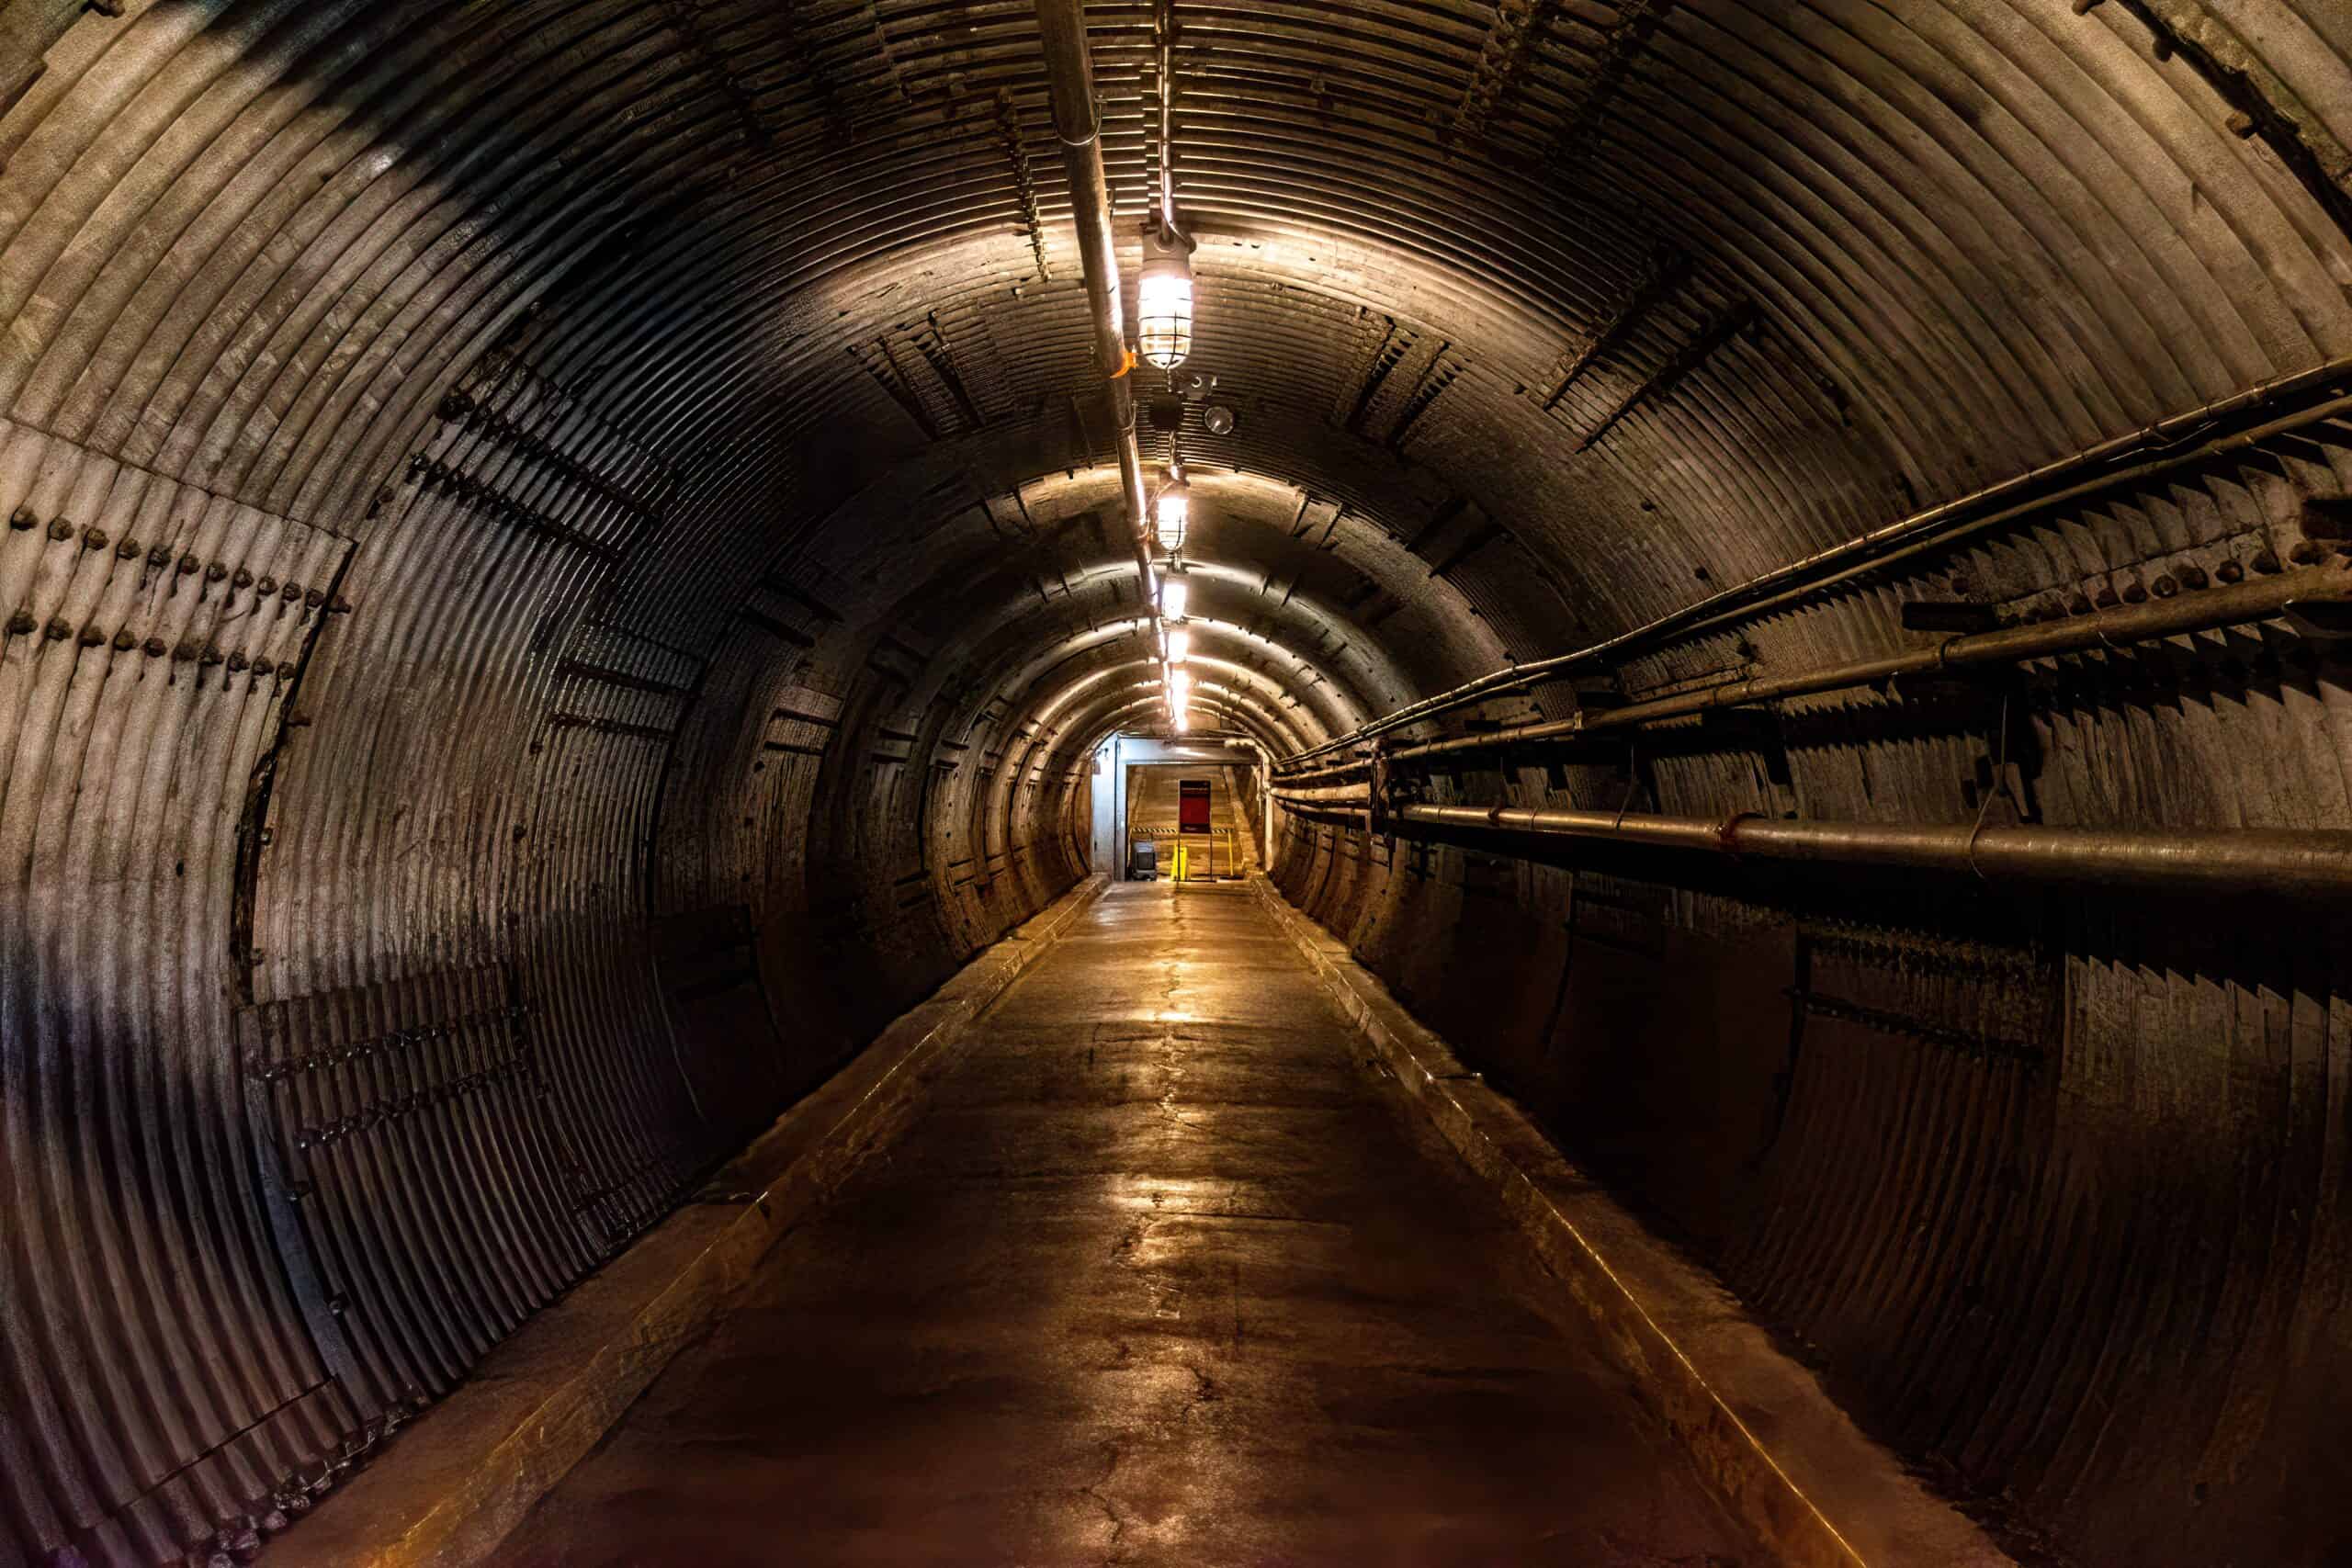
(461, 1478)
(1765, 1436)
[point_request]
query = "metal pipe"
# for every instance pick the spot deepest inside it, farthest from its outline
(1353, 767)
(2273, 862)
(1168, 116)
(1356, 797)
(1354, 817)
(2256, 600)
(1069, 88)
(2086, 472)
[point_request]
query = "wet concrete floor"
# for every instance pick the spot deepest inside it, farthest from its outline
(1162, 1275)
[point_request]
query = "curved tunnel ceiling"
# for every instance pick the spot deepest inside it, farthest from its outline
(508, 500)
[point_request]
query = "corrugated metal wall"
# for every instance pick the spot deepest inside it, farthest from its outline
(556, 577)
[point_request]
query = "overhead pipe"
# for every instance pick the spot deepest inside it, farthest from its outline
(1340, 795)
(1348, 816)
(2087, 472)
(2258, 599)
(1350, 768)
(1078, 125)
(2273, 862)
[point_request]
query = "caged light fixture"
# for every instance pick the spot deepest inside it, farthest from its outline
(1175, 594)
(1164, 290)
(1172, 510)
(1179, 690)
(1179, 645)
(1164, 298)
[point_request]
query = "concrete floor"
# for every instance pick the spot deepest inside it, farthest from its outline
(1161, 1276)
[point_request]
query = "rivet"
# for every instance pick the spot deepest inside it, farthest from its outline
(128, 549)
(159, 555)
(264, 667)
(211, 655)
(2135, 593)
(94, 539)
(2230, 572)
(59, 631)
(21, 624)
(215, 572)
(269, 585)
(313, 598)
(190, 566)
(290, 592)
(22, 518)
(2241, 124)
(342, 606)
(157, 647)
(60, 529)
(92, 636)
(2306, 552)
(243, 578)
(2078, 603)
(236, 662)
(2191, 578)
(124, 642)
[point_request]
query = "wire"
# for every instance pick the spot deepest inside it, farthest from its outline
(2000, 786)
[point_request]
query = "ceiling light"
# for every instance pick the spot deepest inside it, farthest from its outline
(1164, 298)
(1180, 645)
(1174, 595)
(1173, 511)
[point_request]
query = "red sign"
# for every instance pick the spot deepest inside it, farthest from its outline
(1193, 805)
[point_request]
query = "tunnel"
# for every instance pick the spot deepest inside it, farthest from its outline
(1759, 589)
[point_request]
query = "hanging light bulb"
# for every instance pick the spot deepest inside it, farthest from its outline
(1180, 645)
(1164, 298)
(1174, 594)
(1180, 687)
(1171, 512)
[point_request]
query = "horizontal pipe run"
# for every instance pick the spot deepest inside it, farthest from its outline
(2274, 863)
(2090, 471)
(1334, 814)
(2258, 599)
(1337, 795)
